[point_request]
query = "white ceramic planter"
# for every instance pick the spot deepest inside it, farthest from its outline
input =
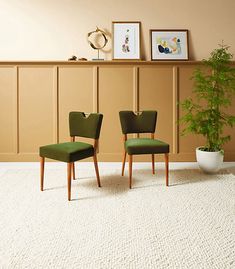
(209, 162)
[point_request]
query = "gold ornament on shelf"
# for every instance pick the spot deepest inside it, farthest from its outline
(96, 34)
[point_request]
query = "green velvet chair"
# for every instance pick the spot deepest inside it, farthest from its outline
(143, 122)
(70, 152)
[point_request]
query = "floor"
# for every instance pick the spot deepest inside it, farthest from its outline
(187, 225)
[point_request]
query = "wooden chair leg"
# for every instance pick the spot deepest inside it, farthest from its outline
(123, 163)
(69, 168)
(130, 170)
(42, 161)
(153, 164)
(167, 167)
(73, 171)
(96, 170)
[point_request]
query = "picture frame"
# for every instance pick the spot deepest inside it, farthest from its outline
(126, 40)
(169, 45)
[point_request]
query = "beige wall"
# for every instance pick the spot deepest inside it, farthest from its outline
(56, 29)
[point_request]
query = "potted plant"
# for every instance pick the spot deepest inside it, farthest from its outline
(214, 89)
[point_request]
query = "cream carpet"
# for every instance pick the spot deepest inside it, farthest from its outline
(191, 224)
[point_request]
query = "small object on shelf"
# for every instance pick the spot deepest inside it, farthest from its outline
(72, 58)
(82, 59)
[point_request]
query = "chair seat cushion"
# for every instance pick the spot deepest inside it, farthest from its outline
(145, 146)
(67, 152)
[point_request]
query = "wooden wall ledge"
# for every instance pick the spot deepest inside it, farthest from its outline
(92, 63)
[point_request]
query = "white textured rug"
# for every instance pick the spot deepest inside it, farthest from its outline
(190, 224)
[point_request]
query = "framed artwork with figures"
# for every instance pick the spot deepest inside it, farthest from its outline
(169, 45)
(126, 40)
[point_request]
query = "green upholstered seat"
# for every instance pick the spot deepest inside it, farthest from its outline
(142, 122)
(70, 152)
(137, 146)
(145, 122)
(79, 125)
(67, 152)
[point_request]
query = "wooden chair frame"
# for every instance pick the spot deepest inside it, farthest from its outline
(130, 160)
(71, 168)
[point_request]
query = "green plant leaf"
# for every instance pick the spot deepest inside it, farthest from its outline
(214, 88)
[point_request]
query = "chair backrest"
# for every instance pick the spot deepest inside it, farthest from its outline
(144, 122)
(80, 125)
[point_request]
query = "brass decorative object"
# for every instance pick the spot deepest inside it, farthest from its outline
(95, 46)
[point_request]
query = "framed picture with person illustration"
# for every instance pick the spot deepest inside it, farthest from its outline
(169, 44)
(126, 40)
